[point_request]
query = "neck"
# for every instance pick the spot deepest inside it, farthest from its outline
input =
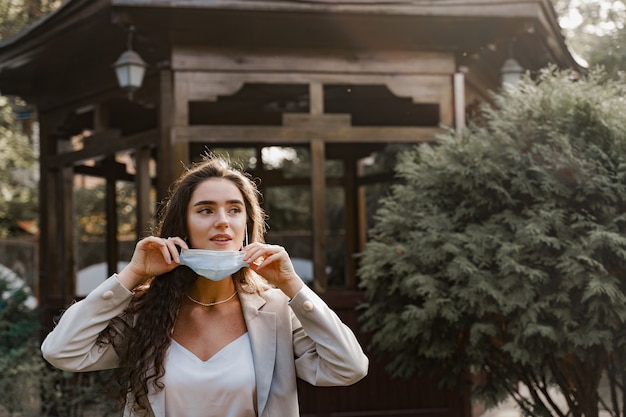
(207, 291)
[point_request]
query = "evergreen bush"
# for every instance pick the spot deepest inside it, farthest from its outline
(30, 387)
(500, 258)
(18, 327)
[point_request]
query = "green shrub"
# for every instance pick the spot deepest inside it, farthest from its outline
(503, 253)
(29, 387)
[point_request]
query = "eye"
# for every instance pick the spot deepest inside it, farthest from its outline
(235, 210)
(205, 210)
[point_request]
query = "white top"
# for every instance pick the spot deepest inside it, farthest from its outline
(223, 386)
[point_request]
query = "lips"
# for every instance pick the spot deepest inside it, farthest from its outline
(221, 238)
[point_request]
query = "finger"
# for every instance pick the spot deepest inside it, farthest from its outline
(165, 247)
(259, 253)
(253, 252)
(275, 255)
(179, 242)
(172, 244)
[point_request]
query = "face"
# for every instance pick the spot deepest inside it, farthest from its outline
(216, 216)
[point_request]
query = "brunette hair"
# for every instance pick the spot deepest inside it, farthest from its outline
(142, 334)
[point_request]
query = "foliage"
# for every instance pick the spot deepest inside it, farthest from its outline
(18, 160)
(609, 52)
(18, 326)
(596, 30)
(91, 210)
(15, 14)
(502, 254)
(18, 174)
(28, 386)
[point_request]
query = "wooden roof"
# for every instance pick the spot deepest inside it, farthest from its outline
(69, 52)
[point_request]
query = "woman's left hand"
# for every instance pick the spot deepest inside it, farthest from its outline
(272, 262)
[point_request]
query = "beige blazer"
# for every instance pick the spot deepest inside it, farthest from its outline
(298, 338)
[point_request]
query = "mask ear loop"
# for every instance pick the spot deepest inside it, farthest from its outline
(245, 242)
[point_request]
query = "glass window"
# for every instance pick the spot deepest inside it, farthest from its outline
(335, 236)
(289, 225)
(242, 157)
(284, 174)
(377, 175)
(290, 161)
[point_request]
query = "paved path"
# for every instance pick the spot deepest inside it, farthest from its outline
(509, 408)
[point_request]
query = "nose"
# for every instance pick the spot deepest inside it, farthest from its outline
(222, 218)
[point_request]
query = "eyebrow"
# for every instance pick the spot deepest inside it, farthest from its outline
(210, 203)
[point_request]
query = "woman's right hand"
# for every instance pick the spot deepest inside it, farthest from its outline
(153, 256)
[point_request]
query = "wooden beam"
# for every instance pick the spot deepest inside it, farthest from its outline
(317, 121)
(354, 64)
(304, 135)
(105, 170)
(420, 87)
(106, 144)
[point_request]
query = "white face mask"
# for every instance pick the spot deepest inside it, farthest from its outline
(213, 264)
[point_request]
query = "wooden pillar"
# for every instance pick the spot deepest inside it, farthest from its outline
(316, 97)
(318, 192)
(318, 209)
(112, 245)
(48, 274)
(173, 152)
(351, 189)
(459, 101)
(52, 289)
(143, 185)
(67, 235)
(164, 151)
(49, 290)
(101, 124)
(361, 211)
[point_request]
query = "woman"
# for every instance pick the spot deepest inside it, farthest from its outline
(188, 346)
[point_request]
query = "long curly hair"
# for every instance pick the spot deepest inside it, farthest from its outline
(141, 336)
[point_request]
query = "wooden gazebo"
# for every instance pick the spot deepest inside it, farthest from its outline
(339, 84)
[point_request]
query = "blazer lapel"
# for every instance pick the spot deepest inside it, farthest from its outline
(262, 331)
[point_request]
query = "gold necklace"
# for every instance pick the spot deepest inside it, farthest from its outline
(213, 303)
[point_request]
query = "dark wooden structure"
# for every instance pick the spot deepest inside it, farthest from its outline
(335, 84)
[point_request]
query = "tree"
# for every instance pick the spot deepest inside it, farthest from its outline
(29, 387)
(18, 173)
(18, 328)
(596, 30)
(16, 14)
(503, 254)
(18, 158)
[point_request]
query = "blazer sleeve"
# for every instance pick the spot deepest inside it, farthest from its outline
(71, 346)
(327, 352)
